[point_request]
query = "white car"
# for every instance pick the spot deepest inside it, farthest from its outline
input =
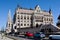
(55, 36)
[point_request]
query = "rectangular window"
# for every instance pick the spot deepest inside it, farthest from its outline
(28, 21)
(21, 24)
(38, 17)
(24, 17)
(18, 24)
(18, 21)
(24, 24)
(27, 24)
(24, 20)
(18, 16)
(39, 20)
(21, 21)
(47, 19)
(27, 17)
(51, 19)
(9, 25)
(21, 17)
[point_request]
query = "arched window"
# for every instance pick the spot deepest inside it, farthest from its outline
(24, 17)
(15, 27)
(37, 25)
(21, 17)
(42, 30)
(27, 17)
(18, 16)
(9, 25)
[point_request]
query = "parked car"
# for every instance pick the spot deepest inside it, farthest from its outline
(39, 35)
(55, 36)
(29, 35)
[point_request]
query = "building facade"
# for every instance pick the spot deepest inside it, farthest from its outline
(30, 17)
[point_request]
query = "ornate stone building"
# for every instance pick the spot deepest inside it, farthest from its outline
(28, 18)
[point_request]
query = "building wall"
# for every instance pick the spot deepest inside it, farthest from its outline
(42, 18)
(24, 19)
(27, 18)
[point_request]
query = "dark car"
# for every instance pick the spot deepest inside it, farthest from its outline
(39, 35)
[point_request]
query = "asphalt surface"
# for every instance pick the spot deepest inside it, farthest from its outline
(24, 38)
(9, 37)
(18, 38)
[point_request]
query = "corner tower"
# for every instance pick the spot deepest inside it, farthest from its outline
(9, 23)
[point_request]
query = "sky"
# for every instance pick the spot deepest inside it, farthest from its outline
(5, 5)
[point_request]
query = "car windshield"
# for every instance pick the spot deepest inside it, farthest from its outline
(39, 33)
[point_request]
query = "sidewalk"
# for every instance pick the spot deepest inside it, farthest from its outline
(2, 37)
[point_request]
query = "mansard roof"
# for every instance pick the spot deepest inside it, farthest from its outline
(26, 10)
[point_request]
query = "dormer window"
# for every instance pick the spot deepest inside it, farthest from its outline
(38, 10)
(38, 7)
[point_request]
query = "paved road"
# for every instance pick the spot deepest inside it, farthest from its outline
(4, 38)
(19, 38)
(12, 38)
(23, 38)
